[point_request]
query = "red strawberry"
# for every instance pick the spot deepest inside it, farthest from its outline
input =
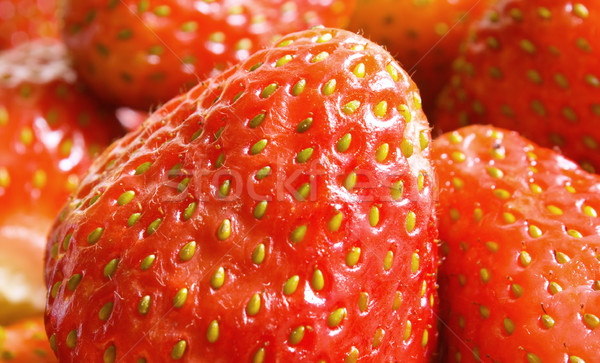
(424, 35)
(533, 67)
(22, 20)
(280, 212)
(140, 53)
(520, 279)
(25, 342)
(49, 130)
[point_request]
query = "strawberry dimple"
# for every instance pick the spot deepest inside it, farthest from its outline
(520, 258)
(260, 208)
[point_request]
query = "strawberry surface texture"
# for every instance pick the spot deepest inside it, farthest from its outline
(423, 35)
(282, 211)
(25, 342)
(533, 67)
(520, 272)
(142, 53)
(49, 131)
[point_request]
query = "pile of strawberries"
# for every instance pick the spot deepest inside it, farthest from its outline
(256, 181)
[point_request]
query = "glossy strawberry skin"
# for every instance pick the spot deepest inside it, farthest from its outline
(24, 20)
(541, 61)
(520, 272)
(49, 131)
(129, 118)
(140, 54)
(25, 342)
(424, 36)
(366, 254)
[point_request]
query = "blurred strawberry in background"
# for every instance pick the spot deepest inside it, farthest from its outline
(423, 35)
(141, 53)
(49, 131)
(22, 20)
(533, 67)
(25, 342)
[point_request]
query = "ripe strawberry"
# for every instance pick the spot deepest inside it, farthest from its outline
(520, 279)
(25, 342)
(23, 20)
(424, 35)
(140, 53)
(49, 130)
(280, 212)
(532, 66)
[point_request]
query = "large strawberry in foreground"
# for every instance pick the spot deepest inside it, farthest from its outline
(49, 131)
(280, 212)
(142, 53)
(533, 67)
(25, 342)
(424, 35)
(520, 277)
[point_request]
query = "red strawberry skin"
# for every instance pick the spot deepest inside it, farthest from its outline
(24, 20)
(359, 257)
(520, 275)
(424, 36)
(534, 61)
(25, 342)
(49, 131)
(142, 53)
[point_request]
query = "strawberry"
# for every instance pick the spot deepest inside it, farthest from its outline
(520, 277)
(424, 35)
(536, 61)
(49, 131)
(141, 53)
(25, 342)
(23, 20)
(281, 211)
